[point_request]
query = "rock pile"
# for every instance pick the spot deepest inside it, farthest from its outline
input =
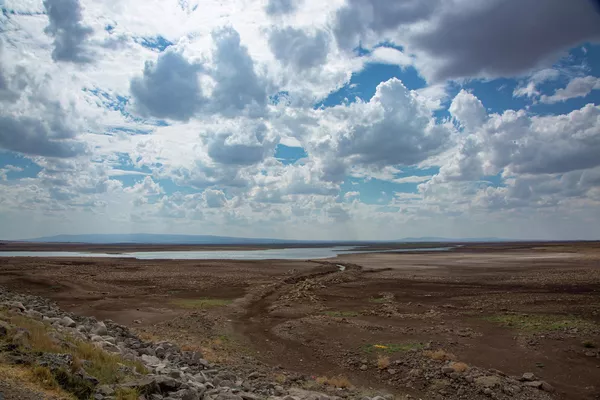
(173, 374)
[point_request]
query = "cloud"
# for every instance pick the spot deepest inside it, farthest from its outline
(146, 187)
(296, 48)
(498, 38)
(51, 138)
(517, 143)
(240, 144)
(389, 55)
(468, 110)
(413, 179)
(394, 128)
(30, 121)
(358, 19)
(168, 88)
(530, 90)
(214, 198)
(282, 7)
(338, 214)
(350, 195)
(12, 83)
(70, 35)
(578, 87)
(239, 89)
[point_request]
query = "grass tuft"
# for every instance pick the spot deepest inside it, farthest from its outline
(540, 322)
(588, 344)
(127, 394)
(341, 314)
(340, 382)
(44, 377)
(377, 300)
(439, 355)
(383, 361)
(106, 367)
(201, 303)
(74, 384)
(393, 347)
(459, 366)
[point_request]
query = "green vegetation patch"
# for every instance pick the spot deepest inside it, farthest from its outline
(201, 303)
(391, 348)
(108, 368)
(341, 314)
(540, 322)
(127, 394)
(377, 300)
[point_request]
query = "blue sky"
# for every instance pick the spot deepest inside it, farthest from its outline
(346, 120)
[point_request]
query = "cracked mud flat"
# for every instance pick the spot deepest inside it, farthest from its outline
(512, 308)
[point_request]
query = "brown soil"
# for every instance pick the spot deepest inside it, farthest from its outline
(313, 319)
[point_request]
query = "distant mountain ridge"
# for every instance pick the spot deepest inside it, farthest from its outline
(149, 238)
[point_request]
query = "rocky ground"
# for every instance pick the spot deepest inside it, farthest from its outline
(507, 322)
(164, 371)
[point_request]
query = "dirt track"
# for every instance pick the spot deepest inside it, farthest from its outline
(515, 308)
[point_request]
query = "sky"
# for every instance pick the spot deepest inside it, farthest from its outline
(301, 119)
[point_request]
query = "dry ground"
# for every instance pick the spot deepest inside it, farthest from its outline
(512, 307)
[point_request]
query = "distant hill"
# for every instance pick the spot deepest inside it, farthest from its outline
(148, 238)
(442, 239)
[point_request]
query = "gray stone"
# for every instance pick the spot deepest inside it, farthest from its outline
(68, 322)
(200, 378)
(147, 385)
(175, 374)
(528, 376)
(21, 338)
(546, 387)
(447, 370)
(167, 384)
(109, 339)
(392, 371)
(228, 396)
(150, 360)
(535, 384)
(4, 328)
(487, 381)
(160, 351)
(105, 390)
(189, 394)
(96, 338)
(111, 348)
(99, 329)
(15, 305)
(248, 396)
(34, 314)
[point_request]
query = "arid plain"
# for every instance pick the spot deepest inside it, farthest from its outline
(380, 320)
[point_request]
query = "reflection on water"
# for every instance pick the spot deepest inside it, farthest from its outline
(282, 254)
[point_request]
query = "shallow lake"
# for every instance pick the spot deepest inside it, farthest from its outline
(305, 253)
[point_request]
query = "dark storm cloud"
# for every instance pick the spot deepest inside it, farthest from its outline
(506, 37)
(359, 17)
